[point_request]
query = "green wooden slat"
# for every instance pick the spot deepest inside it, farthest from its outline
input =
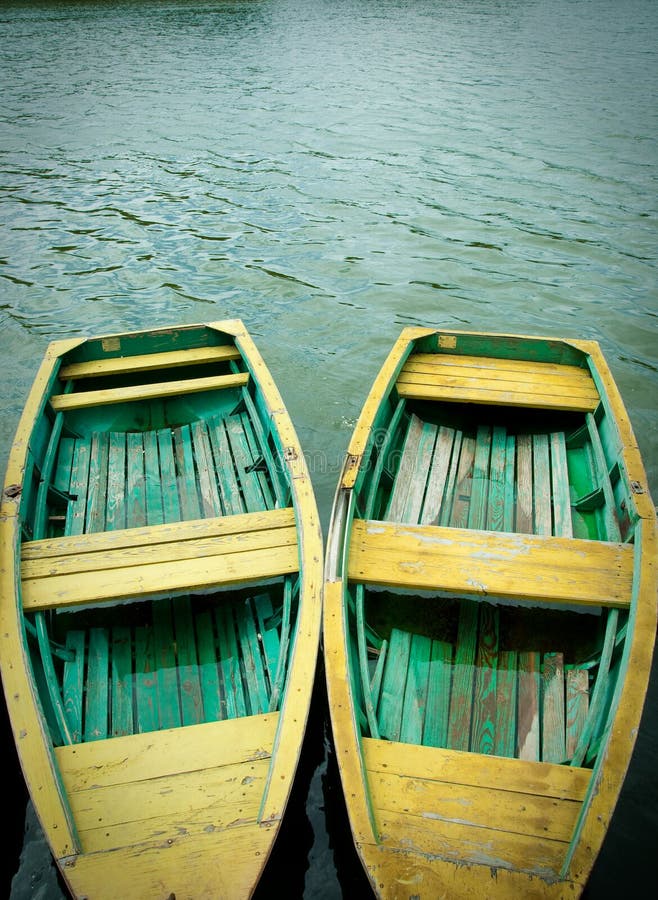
(187, 484)
(208, 671)
(541, 486)
(560, 486)
(170, 499)
(153, 483)
(553, 722)
(510, 484)
(97, 486)
(495, 518)
(461, 697)
(477, 510)
(165, 664)
(75, 517)
(389, 712)
(582, 482)
(451, 482)
(484, 693)
(599, 692)
(229, 488)
(258, 458)
(116, 482)
(415, 691)
(275, 466)
(62, 473)
(73, 683)
(210, 503)
(96, 704)
(438, 475)
(435, 731)
(577, 701)
(362, 647)
(135, 481)
(378, 674)
(187, 663)
(251, 659)
(528, 707)
(249, 481)
(609, 521)
(146, 697)
(404, 476)
(40, 526)
(122, 681)
(464, 484)
(375, 489)
(269, 634)
(506, 703)
(421, 468)
(284, 642)
(524, 520)
(229, 656)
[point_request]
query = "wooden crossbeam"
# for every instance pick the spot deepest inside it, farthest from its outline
(507, 382)
(143, 562)
(463, 561)
(86, 399)
(147, 362)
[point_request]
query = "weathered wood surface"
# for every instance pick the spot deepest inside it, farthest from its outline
(163, 559)
(464, 561)
(501, 382)
(133, 393)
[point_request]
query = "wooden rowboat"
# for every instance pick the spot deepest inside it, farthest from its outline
(489, 615)
(161, 610)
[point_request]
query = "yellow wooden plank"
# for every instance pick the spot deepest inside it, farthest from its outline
(149, 580)
(483, 807)
(148, 362)
(141, 392)
(401, 873)
(481, 771)
(123, 815)
(343, 714)
(207, 865)
(130, 538)
(466, 844)
(497, 381)
(520, 566)
(189, 547)
(495, 367)
(160, 754)
(147, 561)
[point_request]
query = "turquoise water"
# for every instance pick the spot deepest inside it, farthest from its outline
(330, 172)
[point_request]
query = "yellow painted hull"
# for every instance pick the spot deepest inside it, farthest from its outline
(436, 821)
(190, 811)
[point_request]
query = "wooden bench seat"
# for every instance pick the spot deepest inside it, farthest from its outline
(147, 362)
(141, 392)
(501, 382)
(473, 696)
(147, 562)
(465, 561)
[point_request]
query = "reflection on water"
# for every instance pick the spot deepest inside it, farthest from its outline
(331, 171)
